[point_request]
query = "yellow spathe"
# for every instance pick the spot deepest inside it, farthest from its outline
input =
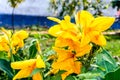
(91, 27)
(26, 67)
(13, 42)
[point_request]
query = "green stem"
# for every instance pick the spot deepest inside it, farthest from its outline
(11, 55)
(90, 56)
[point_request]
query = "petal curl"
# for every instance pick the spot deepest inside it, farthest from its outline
(55, 30)
(54, 19)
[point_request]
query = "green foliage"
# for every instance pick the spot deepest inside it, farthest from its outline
(104, 63)
(114, 75)
(89, 75)
(5, 66)
(116, 3)
(56, 76)
(14, 3)
(35, 71)
(32, 50)
(3, 55)
(61, 8)
(114, 49)
(70, 77)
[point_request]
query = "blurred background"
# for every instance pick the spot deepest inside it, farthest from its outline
(27, 13)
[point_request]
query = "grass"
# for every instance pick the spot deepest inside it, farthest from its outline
(113, 44)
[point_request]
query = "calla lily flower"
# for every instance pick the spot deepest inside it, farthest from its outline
(66, 61)
(92, 28)
(4, 44)
(62, 26)
(73, 40)
(14, 42)
(26, 67)
(67, 51)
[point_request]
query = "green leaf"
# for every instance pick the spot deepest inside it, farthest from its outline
(90, 79)
(70, 77)
(35, 71)
(105, 63)
(58, 75)
(115, 75)
(3, 55)
(89, 75)
(5, 66)
(32, 50)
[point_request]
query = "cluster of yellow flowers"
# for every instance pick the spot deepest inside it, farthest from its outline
(11, 43)
(74, 39)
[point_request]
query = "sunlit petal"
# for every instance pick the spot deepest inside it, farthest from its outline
(15, 40)
(68, 65)
(23, 64)
(68, 26)
(54, 19)
(77, 67)
(69, 35)
(23, 73)
(102, 23)
(99, 40)
(83, 50)
(67, 18)
(37, 76)
(21, 34)
(64, 65)
(8, 33)
(40, 63)
(55, 30)
(63, 54)
(84, 18)
(65, 74)
(85, 40)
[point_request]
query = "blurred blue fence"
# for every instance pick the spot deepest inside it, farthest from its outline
(116, 25)
(24, 20)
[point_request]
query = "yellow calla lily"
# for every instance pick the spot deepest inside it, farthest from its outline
(73, 40)
(63, 26)
(14, 42)
(27, 67)
(92, 27)
(4, 43)
(67, 56)
(72, 46)
(7, 33)
(69, 64)
(18, 37)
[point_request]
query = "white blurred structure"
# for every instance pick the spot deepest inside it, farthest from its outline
(39, 7)
(28, 7)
